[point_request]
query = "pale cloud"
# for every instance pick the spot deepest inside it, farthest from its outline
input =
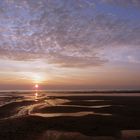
(135, 3)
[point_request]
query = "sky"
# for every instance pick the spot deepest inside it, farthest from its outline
(70, 44)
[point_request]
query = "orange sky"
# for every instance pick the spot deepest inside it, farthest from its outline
(23, 75)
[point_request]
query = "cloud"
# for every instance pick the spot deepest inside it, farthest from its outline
(66, 33)
(135, 3)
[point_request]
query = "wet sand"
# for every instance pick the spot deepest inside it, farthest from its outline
(26, 116)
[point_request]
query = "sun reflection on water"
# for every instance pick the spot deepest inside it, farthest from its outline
(36, 96)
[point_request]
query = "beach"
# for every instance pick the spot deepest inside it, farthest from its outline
(69, 116)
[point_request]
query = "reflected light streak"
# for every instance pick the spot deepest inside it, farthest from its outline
(36, 93)
(36, 96)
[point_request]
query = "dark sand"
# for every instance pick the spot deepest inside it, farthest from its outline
(25, 116)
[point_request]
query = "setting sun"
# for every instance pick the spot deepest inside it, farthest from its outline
(36, 86)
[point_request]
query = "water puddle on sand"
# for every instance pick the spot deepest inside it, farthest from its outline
(59, 135)
(64, 135)
(95, 106)
(130, 134)
(95, 100)
(38, 102)
(77, 114)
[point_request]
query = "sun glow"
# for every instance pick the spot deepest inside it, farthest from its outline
(38, 79)
(36, 86)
